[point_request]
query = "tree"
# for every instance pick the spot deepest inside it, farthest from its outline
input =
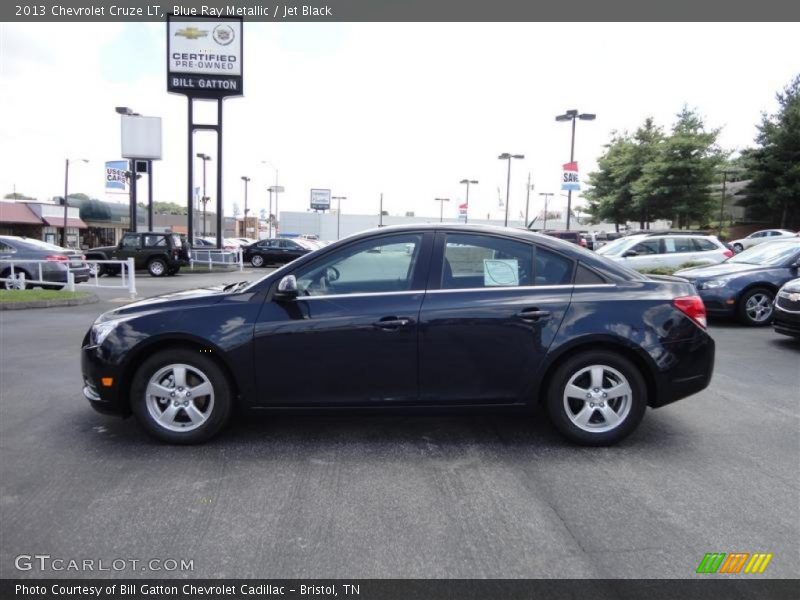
(774, 165)
(676, 182)
(610, 194)
(18, 196)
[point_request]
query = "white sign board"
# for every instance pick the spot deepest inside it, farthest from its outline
(500, 272)
(320, 199)
(141, 137)
(204, 56)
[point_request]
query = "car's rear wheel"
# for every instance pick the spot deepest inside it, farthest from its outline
(257, 260)
(157, 267)
(755, 307)
(173, 270)
(181, 396)
(596, 398)
(16, 283)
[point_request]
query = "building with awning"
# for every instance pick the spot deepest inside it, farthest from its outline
(52, 217)
(16, 218)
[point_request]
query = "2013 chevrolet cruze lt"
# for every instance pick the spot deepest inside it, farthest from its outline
(411, 316)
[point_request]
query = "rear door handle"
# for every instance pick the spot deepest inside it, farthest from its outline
(534, 315)
(392, 323)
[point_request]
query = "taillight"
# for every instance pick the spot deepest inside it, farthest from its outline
(692, 307)
(57, 258)
(727, 253)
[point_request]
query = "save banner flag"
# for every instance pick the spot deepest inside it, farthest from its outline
(569, 178)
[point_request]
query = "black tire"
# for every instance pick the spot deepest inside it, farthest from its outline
(595, 430)
(157, 267)
(173, 271)
(738, 248)
(257, 260)
(144, 406)
(10, 285)
(752, 316)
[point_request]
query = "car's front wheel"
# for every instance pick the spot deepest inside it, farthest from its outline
(738, 248)
(596, 398)
(755, 307)
(181, 396)
(257, 260)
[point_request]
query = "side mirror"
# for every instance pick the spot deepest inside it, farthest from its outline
(630, 253)
(287, 288)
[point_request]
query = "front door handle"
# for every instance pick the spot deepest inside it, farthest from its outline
(534, 315)
(392, 323)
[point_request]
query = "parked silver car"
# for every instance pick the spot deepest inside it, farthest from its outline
(19, 251)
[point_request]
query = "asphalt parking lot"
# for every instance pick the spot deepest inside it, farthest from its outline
(455, 496)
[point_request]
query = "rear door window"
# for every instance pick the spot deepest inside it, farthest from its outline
(483, 261)
(676, 245)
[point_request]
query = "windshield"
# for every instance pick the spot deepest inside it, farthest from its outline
(616, 247)
(767, 254)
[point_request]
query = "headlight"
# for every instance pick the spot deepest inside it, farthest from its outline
(713, 283)
(101, 330)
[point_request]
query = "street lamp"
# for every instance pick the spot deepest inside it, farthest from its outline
(467, 182)
(273, 188)
(546, 198)
(572, 115)
(66, 195)
(508, 157)
(441, 202)
(205, 158)
(338, 211)
(246, 180)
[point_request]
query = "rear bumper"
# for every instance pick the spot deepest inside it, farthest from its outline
(682, 368)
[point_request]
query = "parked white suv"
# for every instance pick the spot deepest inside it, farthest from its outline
(759, 237)
(653, 250)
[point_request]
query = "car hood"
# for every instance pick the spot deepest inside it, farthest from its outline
(720, 270)
(792, 286)
(185, 298)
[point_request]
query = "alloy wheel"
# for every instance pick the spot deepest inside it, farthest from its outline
(597, 398)
(759, 307)
(179, 397)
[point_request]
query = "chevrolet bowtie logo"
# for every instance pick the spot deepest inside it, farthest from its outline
(191, 33)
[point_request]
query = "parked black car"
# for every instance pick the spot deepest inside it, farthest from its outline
(745, 285)
(275, 251)
(60, 261)
(570, 236)
(159, 253)
(787, 309)
(413, 316)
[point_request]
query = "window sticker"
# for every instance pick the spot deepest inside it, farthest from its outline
(500, 272)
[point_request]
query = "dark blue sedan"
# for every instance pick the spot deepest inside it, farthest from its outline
(420, 317)
(745, 285)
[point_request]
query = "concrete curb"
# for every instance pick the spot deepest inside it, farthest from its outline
(90, 299)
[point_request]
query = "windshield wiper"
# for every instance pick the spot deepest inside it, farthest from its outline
(232, 286)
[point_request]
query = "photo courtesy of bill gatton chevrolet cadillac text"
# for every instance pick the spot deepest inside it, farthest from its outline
(423, 316)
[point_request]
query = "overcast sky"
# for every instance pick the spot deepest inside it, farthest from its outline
(407, 109)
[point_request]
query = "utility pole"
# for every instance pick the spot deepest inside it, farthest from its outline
(246, 180)
(467, 182)
(546, 198)
(441, 202)
(338, 213)
(528, 199)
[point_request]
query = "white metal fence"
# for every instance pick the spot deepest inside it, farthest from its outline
(216, 257)
(19, 275)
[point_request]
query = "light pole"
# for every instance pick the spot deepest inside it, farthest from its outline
(508, 157)
(66, 195)
(273, 188)
(269, 214)
(572, 115)
(205, 158)
(246, 180)
(441, 202)
(546, 198)
(338, 212)
(528, 199)
(467, 182)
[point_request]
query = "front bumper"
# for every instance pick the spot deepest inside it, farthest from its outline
(786, 323)
(105, 399)
(719, 302)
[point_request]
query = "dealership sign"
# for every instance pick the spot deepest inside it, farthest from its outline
(204, 57)
(117, 176)
(569, 179)
(320, 199)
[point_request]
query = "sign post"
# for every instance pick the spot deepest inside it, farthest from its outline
(204, 62)
(320, 199)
